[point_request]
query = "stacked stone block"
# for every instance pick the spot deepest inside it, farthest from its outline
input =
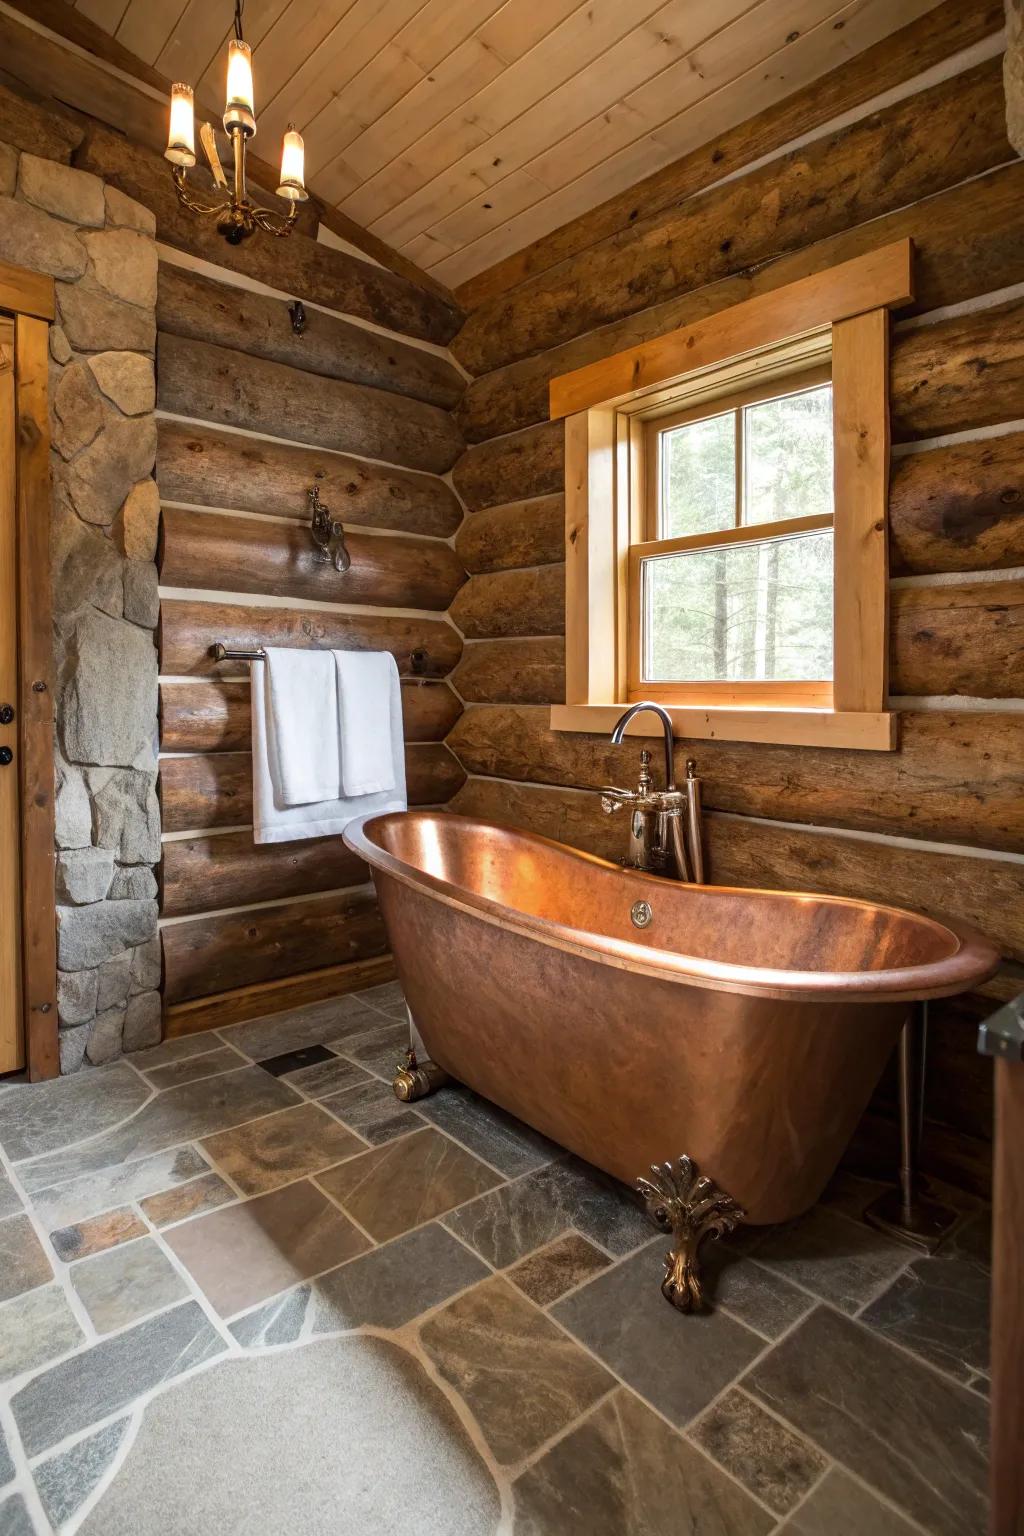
(100, 247)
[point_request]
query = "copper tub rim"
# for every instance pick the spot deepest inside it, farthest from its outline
(974, 960)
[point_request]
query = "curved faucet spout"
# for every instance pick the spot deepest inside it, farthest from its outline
(666, 721)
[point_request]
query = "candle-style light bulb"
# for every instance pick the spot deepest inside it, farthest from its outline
(240, 109)
(293, 155)
(181, 137)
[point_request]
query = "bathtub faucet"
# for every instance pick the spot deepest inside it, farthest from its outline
(664, 825)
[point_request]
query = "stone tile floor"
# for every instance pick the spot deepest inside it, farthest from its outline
(243, 1288)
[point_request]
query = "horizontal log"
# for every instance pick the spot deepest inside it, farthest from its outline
(213, 954)
(208, 467)
(215, 717)
(28, 126)
(988, 893)
(529, 602)
(244, 554)
(957, 639)
(205, 874)
(191, 304)
(524, 465)
(528, 671)
(945, 31)
(303, 266)
(215, 789)
(953, 261)
(958, 508)
(964, 372)
(895, 157)
(218, 384)
(524, 533)
(958, 776)
(189, 628)
(289, 992)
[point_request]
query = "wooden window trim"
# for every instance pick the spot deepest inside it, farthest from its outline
(843, 312)
(29, 297)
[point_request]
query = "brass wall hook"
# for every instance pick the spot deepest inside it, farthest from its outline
(328, 533)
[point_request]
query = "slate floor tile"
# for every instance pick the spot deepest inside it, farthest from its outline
(563, 1264)
(330, 1076)
(23, 1262)
(939, 1308)
(516, 1219)
(297, 1028)
(278, 1148)
(407, 1182)
(677, 1363)
(39, 1117)
(65, 1204)
(97, 1234)
(759, 1297)
(373, 1112)
(174, 1116)
(94, 1384)
(10, 1200)
(841, 1507)
(499, 1138)
(66, 1480)
(34, 1328)
(623, 1472)
(15, 1519)
(202, 1194)
(245, 1253)
(385, 1288)
(126, 1284)
(194, 1067)
(379, 1049)
(907, 1431)
(762, 1454)
(6, 1464)
(388, 995)
(176, 1050)
(842, 1261)
(521, 1377)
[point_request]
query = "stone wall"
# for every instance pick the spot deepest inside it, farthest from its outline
(100, 247)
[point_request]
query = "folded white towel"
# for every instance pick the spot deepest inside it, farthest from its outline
(276, 823)
(302, 725)
(366, 681)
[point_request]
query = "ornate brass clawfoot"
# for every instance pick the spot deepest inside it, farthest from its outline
(415, 1080)
(680, 1200)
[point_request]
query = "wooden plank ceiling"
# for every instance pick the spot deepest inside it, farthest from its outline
(461, 130)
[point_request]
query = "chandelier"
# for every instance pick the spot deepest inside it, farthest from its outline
(238, 217)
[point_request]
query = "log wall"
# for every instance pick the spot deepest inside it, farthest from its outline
(938, 825)
(250, 416)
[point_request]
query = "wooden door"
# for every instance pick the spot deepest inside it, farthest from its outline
(12, 1043)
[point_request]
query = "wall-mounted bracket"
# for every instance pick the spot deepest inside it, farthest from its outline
(297, 311)
(328, 533)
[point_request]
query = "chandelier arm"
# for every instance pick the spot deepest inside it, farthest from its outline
(274, 223)
(192, 203)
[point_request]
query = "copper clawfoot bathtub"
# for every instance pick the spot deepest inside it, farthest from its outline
(630, 1017)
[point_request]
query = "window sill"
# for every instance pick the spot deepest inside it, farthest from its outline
(777, 727)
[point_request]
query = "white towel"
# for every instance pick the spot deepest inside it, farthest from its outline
(366, 681)
(275, 823)
(302, 725)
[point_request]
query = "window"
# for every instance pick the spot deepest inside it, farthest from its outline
(726, 517)
(731, 588)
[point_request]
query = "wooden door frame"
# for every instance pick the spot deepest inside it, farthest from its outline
(30, 298)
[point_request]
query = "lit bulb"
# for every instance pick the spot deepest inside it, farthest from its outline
(240, 108)
(181, 138)
(293, 156)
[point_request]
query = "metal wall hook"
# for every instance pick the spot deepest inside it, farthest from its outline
(328, 533)
(297, 311)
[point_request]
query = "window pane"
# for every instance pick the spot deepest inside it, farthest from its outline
(788, 460)
(740, 613)
(698, 478)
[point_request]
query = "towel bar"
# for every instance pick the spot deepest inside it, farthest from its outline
(220, 652)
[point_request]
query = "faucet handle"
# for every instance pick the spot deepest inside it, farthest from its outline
(613, 799)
